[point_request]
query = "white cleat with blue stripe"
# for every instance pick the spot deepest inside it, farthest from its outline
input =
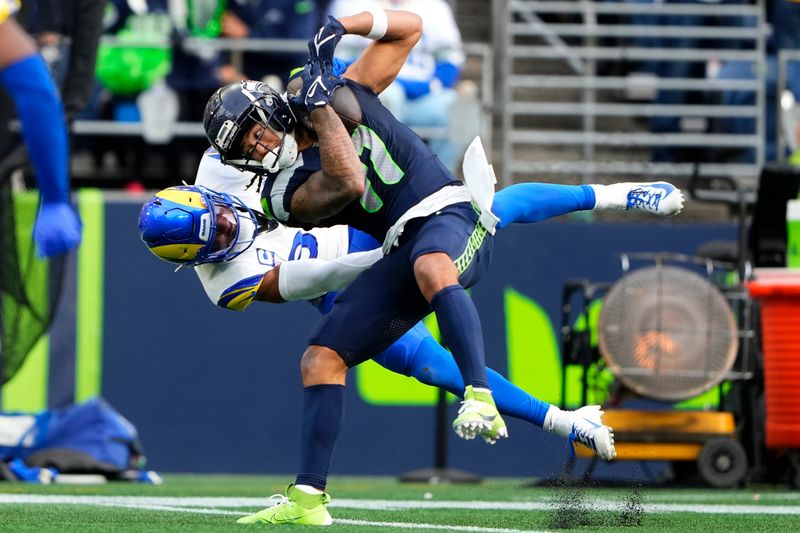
(658, 197)
(584, 425)
(589, 430)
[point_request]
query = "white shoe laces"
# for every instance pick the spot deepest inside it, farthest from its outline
(644, 198)
(277, 499)
(583, 434)
(469, 405)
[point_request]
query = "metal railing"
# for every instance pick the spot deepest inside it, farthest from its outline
(237, 47)
(550, 70)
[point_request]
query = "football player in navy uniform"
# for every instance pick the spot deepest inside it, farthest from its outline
(377, 176)
(217, 227)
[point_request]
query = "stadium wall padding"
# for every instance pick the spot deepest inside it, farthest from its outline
(212, 390)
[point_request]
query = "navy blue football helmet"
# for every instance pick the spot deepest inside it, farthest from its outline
(192, 225)
(234, 109)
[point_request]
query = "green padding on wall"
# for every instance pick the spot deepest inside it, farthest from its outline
(378, 386)
(89, 305)
(534, 363)
(594, 319)
(27, 390)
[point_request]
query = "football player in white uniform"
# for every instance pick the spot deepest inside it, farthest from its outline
(240, 256)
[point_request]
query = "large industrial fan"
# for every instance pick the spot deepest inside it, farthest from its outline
(668, 334)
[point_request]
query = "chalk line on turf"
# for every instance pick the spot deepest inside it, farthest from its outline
(179, 504)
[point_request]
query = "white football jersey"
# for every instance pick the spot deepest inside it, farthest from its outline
(233, 284)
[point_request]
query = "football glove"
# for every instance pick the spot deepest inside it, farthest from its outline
(319, 83)
(322, 45)
(57, 229)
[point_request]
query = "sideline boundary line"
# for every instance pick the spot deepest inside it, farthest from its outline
(177, 503)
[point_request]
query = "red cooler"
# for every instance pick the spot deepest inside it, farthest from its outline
(779, 292)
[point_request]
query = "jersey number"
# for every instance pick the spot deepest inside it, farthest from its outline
(304, 246)
(378, 165)
(265, 257)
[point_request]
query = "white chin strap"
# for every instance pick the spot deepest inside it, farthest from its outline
(286, 157)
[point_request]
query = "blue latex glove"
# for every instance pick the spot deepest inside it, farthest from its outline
(322, 45)
(319, 83)
(57, 229)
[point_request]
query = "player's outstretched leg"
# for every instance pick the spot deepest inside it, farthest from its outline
(296, 507)
(658, 197)
(584, 425)
(526, 203)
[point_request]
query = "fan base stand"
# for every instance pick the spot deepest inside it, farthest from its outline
(663, 435)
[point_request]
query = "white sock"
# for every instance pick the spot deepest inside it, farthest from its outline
(550, 417)
(558, 421)
(610, 196)
(308, 489)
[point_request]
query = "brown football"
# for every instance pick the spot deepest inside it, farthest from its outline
(344, 103)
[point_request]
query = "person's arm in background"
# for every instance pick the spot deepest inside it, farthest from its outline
(24, 75)
(445, 43)
(378, 65)
(86, 26)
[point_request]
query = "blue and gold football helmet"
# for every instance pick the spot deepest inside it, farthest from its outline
(192, 225)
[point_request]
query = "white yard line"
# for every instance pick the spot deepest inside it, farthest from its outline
(213, 504)
(443, 527)
(712, 496)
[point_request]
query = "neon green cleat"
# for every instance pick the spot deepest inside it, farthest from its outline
(478, 415)
(297, 507)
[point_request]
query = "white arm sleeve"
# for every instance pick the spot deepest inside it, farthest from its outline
(306, 279)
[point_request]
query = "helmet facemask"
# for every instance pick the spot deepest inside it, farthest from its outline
(193, 225)
(234, 110)
(232, 228)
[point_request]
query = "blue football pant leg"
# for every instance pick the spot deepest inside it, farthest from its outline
(416, 354)
(533, 202)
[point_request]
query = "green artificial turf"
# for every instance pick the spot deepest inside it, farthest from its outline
(621, 509)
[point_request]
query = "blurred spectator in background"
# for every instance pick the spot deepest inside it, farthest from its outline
(679, 69)
(423, 95)
(784, 17)
(25, 76)
(68, 32)
(146, 74)
(272, 19)
(197, 71)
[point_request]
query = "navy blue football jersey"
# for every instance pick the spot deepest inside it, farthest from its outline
(400, 170)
